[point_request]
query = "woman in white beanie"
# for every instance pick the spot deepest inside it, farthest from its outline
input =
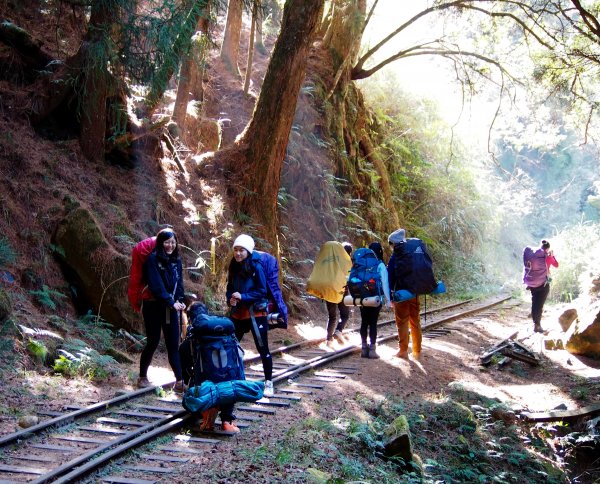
(247, 296)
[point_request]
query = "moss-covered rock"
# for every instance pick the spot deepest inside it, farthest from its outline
(397, 441)
(100, 270)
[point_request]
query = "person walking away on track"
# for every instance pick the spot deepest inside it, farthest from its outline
(163, 274)
(247, 296)
(536, 277)
(370, 315)
(406, 313)
(335, 326)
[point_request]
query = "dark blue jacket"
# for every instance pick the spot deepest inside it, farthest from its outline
(164, 275)
(248, 278)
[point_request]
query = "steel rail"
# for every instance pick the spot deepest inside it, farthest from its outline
(71, 416)
(314, 342)
(140, 436)
(120, 445)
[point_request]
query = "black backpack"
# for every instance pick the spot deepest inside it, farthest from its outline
(413, 268)
(211, 351)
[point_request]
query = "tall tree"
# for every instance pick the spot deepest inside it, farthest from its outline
(231, 38)
(188, 70)
(255, 162)
(253, 21)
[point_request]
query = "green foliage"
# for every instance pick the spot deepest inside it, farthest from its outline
(47, 298)
(95, 330)
(434, 182)
(37, 349)
(573, 248)
(7, 253)
(77, 359)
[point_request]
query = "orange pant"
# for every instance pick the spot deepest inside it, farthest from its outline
(406, 313)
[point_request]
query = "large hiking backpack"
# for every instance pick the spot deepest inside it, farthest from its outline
(136, 285)
(211, 351)
(413, 268)
(276, 303)
(364, 279)
(535, 271)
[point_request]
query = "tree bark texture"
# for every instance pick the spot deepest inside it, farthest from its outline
(231, 38)
(265, 139)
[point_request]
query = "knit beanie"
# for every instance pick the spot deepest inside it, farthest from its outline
(397, 237)
(376, 247)
(244, 241)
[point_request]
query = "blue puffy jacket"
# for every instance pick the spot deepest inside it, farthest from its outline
(248, 278)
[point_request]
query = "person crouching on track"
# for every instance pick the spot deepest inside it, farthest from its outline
(163, 272)
(247, 296)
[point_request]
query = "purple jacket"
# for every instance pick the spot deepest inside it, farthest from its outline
(535, 271)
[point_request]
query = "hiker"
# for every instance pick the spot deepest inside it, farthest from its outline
(336, 327)
(370, 315)
(163, 274)
(536, 277)
(247, 296)
(400, 276)
(207, 336)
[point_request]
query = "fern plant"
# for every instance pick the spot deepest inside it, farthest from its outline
(84, 361)
(37, 349)
(47, 297)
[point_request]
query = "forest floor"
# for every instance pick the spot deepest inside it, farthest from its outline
(336, 432)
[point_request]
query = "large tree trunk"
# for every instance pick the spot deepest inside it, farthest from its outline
(231, 38)
(97, 81)
(350, 122)
(267, 134)
(262, 145)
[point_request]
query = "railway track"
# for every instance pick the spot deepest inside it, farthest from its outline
(66, 447)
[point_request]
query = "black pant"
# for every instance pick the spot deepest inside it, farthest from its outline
(333, 321)
(261, 340)
(538, 298)
(157, 318)
(369, 317)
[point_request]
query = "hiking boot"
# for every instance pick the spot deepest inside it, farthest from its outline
(330, 344)
(230, 427)
(179, 387)
(269, 390)
(373, 353)
(364, 352)
(143, 382)
(537, 328)
(339, 337)
(208, 419)
(402, 354)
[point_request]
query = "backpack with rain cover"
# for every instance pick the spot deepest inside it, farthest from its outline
(413, 267)
(276, 306)
(210, 351)
(136, 288)
(364, 279)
